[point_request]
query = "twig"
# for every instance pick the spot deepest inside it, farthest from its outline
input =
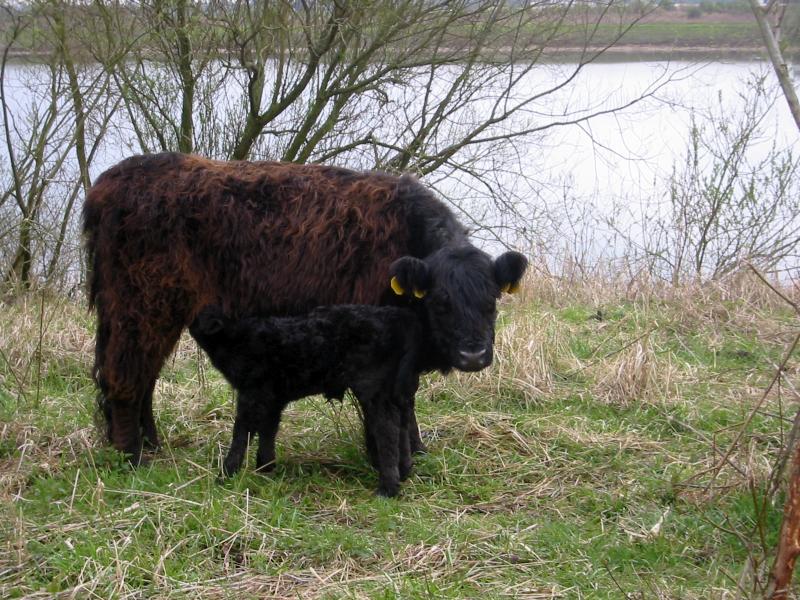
(20, 389)
(788, 550)
(39, 354)
(612, 353)
(780, 464)
(794, 305)
(780, 577)
(755, 410)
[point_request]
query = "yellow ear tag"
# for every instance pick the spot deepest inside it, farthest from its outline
(396, 287)
(505, 288)
(418, 294)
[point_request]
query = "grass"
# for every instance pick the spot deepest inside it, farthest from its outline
(683, 33)
(579, 466)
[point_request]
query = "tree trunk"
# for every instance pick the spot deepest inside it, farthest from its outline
(19, 275)
(188, 81)
(778, 62)
(789, 543)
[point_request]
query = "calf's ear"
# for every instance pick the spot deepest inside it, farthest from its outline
(508, 271)
(410, 276)
(208, 322)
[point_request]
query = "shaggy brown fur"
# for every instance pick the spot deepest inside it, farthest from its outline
(167, 234)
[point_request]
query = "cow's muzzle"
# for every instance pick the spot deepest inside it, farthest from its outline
(473, 361)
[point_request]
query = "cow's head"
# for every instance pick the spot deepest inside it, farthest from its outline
(458, 288)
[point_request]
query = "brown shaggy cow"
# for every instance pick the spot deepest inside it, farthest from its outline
(168, 234)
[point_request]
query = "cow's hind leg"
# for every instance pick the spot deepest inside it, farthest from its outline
(124, 428)
(147, 420)
(126, 370)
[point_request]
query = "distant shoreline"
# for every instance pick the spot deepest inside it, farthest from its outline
(646, 52)
(621, 52)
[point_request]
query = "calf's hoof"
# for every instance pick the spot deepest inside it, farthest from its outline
(230, 466)
(266, 467)
(388, 490)
(415, 442)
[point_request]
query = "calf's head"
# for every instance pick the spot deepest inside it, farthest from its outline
(220, 336)
(457, 288)
(210, 324)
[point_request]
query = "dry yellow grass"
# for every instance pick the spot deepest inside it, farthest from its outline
(589, 426)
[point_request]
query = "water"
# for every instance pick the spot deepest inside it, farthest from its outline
(537, 188)
(616, 155)
(610, 176)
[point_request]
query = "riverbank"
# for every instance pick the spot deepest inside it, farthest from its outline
(677, 34)
(674, 35)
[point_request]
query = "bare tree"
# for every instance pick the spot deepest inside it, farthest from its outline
(452, 91)
(54, 113)
(723, 205)
(435, 88)
(35, 145)
(770, 18)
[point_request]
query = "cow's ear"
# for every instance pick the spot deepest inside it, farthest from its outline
(410, 276)
(508, 271)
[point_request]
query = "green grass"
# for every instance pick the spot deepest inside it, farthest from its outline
(686, 33)
(577, 467)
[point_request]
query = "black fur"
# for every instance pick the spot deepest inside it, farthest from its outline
(273, 361)
(459, 287)
(378, 352)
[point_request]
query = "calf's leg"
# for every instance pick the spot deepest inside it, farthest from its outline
(405, 462)
(405, 389)
(242, 432)
(382, 422)
(268, 424)
(414, 439)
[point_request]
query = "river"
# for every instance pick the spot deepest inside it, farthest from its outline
(617, 163)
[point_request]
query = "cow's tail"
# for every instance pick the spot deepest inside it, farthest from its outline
(102, 412)
(91, 232)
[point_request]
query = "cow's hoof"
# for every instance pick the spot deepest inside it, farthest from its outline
(405, 471)
(151, 443)
(134, 456)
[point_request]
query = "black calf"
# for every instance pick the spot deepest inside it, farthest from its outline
(374, 351)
